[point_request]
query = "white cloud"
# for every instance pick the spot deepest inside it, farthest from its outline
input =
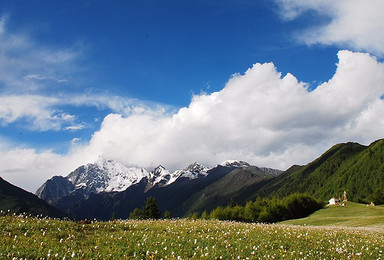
(42, 113)
(38, 111)
(356, 24)
(261, 116)
(34, 76)
(40, 77)
(75, 127)
(35, 109)
(29, 168)
(29, 66)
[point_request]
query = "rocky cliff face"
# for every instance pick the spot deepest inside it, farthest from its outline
(55, 188)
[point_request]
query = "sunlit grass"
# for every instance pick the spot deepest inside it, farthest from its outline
(29, 237)
(350, 215)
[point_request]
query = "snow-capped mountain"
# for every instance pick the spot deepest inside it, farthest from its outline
(161, 177)
(192, 171)
(235, 163)
(102, 176)
(106, 176)
(109, 176)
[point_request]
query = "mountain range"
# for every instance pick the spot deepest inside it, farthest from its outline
(107, 189)
(108, 176)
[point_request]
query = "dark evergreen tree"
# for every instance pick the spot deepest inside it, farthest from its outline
(151, 209)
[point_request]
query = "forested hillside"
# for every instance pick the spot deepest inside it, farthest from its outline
(350, 167)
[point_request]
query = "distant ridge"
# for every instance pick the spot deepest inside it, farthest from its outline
(17, 200)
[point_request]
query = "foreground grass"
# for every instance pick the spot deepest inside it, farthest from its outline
(350, 215)
(27, 237)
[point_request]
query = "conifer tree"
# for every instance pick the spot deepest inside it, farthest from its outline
(151, 209)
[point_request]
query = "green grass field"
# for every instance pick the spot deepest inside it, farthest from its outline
(32, 238)
(350, 215)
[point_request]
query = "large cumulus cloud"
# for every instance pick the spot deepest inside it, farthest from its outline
(259, 116)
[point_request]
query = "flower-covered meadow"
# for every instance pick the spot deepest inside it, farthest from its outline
(30, 237)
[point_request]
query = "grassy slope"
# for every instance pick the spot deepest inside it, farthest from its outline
(351, 215)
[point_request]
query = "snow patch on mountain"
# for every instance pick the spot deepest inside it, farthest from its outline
(235, 163)
(192, 171)
(118, 176)
(109, 176)
(160, 176)
(106, 176)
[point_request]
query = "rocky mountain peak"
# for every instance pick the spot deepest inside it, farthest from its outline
(159, 170)
(196, 167)
(193, 171)
(235, 163)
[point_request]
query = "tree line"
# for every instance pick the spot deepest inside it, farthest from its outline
(266, 210)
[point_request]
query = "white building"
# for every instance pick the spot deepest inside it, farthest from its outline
(333, 201)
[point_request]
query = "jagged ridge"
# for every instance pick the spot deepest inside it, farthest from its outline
(109, 176)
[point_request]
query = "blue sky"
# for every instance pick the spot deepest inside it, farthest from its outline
(172, 82)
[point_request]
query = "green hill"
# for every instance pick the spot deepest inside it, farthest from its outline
(17, 200)
(350, 215)
(350, 167)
